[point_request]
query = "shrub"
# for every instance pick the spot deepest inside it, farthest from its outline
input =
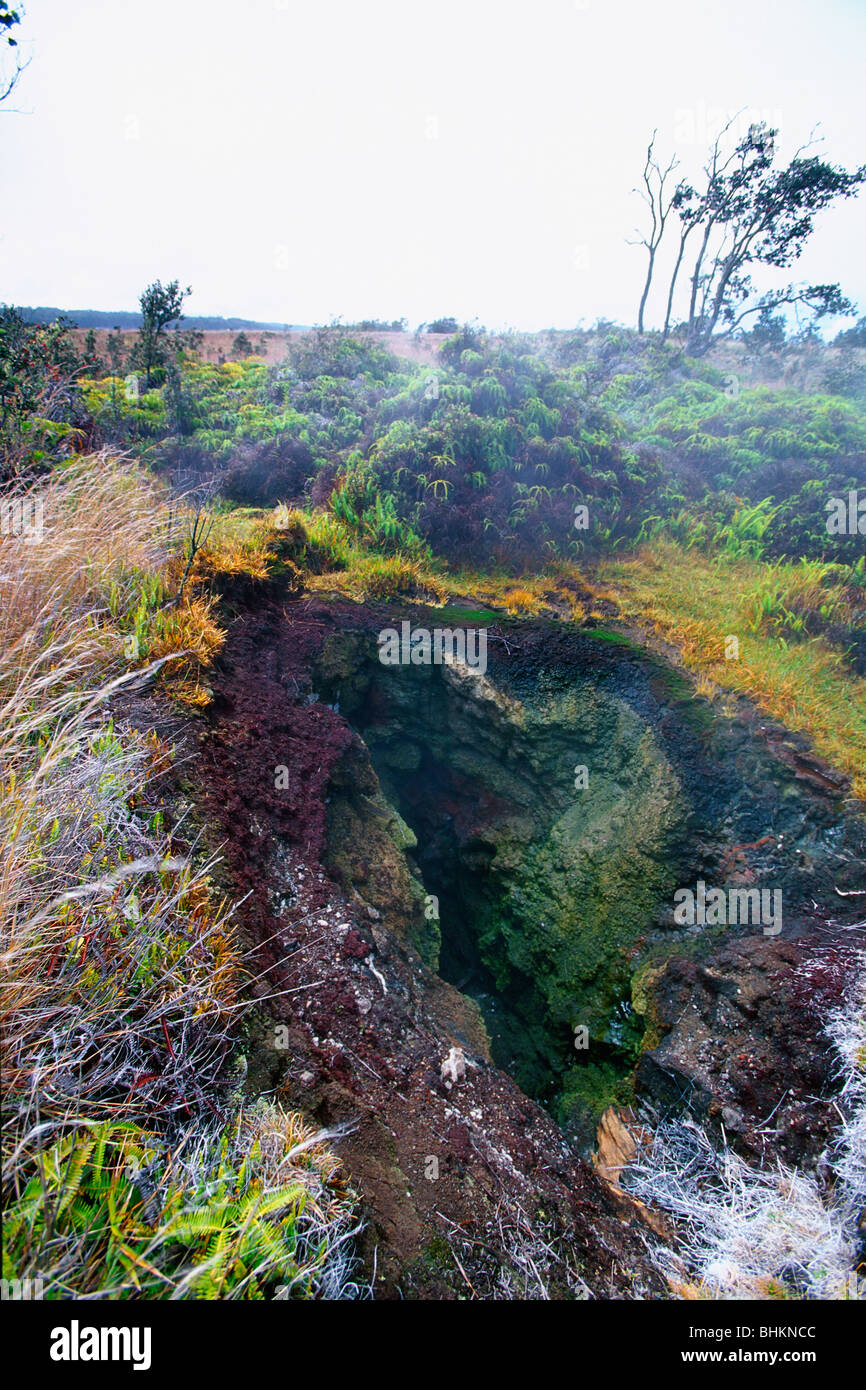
(269, 471)
(115, 1212)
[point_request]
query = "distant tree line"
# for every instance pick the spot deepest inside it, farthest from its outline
(124, 318)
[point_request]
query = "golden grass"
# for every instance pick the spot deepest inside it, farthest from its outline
(522, 602)
(696, 601)
(559, 585)
(237, 544)
(332, 560)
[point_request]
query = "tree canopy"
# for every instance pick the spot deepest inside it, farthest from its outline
(161, 306)
(745, 213)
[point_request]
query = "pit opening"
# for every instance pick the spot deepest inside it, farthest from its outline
(535, 1049)
(537, 916)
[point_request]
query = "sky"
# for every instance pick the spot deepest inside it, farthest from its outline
(299, 162)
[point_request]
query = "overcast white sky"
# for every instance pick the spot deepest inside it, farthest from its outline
(298, 160)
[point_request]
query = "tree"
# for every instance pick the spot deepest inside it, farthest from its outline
(654, 178)
(746, 213)
(768, 331)
(92, 360)
(852, 337)
(115, 346)
(8, 20)
(39, 399)
(161, 306)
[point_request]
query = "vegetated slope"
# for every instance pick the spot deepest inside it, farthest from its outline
(524, 455)
(574, 477)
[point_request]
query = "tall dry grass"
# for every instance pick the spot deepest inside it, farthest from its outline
(121, 978)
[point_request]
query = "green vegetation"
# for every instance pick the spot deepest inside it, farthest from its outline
(585, 476)
(113, 1212)
(696, 600)
(491, 475)
(494, 473)
(161, 307)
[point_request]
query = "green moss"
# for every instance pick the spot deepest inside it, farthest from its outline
(437, 1254)
(467, 615)
(617, 639)
(588, 1090)
(643, 1002)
